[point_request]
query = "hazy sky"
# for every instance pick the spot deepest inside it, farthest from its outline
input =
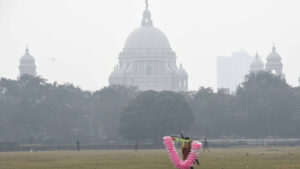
(85, 36)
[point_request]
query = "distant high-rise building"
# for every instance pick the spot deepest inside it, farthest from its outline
(274, 64)
(27, 64)
(257, 64)
(232, 70)
(148, 62)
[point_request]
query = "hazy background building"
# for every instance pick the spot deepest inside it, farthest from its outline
(274, 62)
(148, 61)
(257, 64)
(27, 64)
(231, 70)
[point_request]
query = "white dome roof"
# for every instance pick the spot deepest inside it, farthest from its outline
(257, 62)
(27, 57)
(116, 73)
(181, 71)
(147, 37)
(274, 56)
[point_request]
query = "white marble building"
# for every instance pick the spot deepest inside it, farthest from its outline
(148, 61)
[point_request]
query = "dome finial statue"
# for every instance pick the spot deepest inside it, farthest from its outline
(147, 5)
(27, 50)
(256, 55)
(274, 48)
(147, 16)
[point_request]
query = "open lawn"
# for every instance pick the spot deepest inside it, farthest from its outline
(258, 158)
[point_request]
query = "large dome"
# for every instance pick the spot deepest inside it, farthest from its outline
(147, 37)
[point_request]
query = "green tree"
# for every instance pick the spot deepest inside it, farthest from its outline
(213, 113)
(36, 110)
(296, 113)
(109, 103)
(266, 104)
(152, 115)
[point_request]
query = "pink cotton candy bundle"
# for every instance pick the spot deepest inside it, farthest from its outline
(186, 164)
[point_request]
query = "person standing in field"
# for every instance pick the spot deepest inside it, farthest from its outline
(136, 146)
(78, 145)
(205, 146)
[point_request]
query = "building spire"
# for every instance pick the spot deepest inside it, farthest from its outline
(274, 48)
(27, 50)
(147, 16)
(147, 5)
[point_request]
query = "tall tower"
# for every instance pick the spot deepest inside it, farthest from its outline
(257, 64)
(274, 62)
(231, 70)
(27, 64)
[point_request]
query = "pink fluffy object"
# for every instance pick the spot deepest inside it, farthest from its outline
(176, 160)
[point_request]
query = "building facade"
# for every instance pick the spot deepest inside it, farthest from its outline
(27, 64)
(148, 62)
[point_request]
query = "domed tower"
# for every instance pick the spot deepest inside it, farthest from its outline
(257, 65)
(27, 64)
(148, 62)
(274, 62)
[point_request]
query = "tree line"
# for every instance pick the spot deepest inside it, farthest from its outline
(33, 110)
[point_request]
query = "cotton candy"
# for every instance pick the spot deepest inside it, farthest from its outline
(176, 160)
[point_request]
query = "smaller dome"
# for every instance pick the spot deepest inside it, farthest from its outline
(181, 72)
(27, 57)
(274, 56)
(257, 62)
(116, 73)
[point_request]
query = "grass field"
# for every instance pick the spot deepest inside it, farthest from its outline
(258, 158)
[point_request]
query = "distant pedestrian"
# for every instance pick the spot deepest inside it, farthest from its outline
(78, 145)
(136, 146)
(205, 146)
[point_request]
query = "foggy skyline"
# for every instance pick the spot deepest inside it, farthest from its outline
(79, 41)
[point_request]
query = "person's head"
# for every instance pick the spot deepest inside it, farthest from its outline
(187, 138)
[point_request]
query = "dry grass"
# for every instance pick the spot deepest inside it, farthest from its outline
(258, 158)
